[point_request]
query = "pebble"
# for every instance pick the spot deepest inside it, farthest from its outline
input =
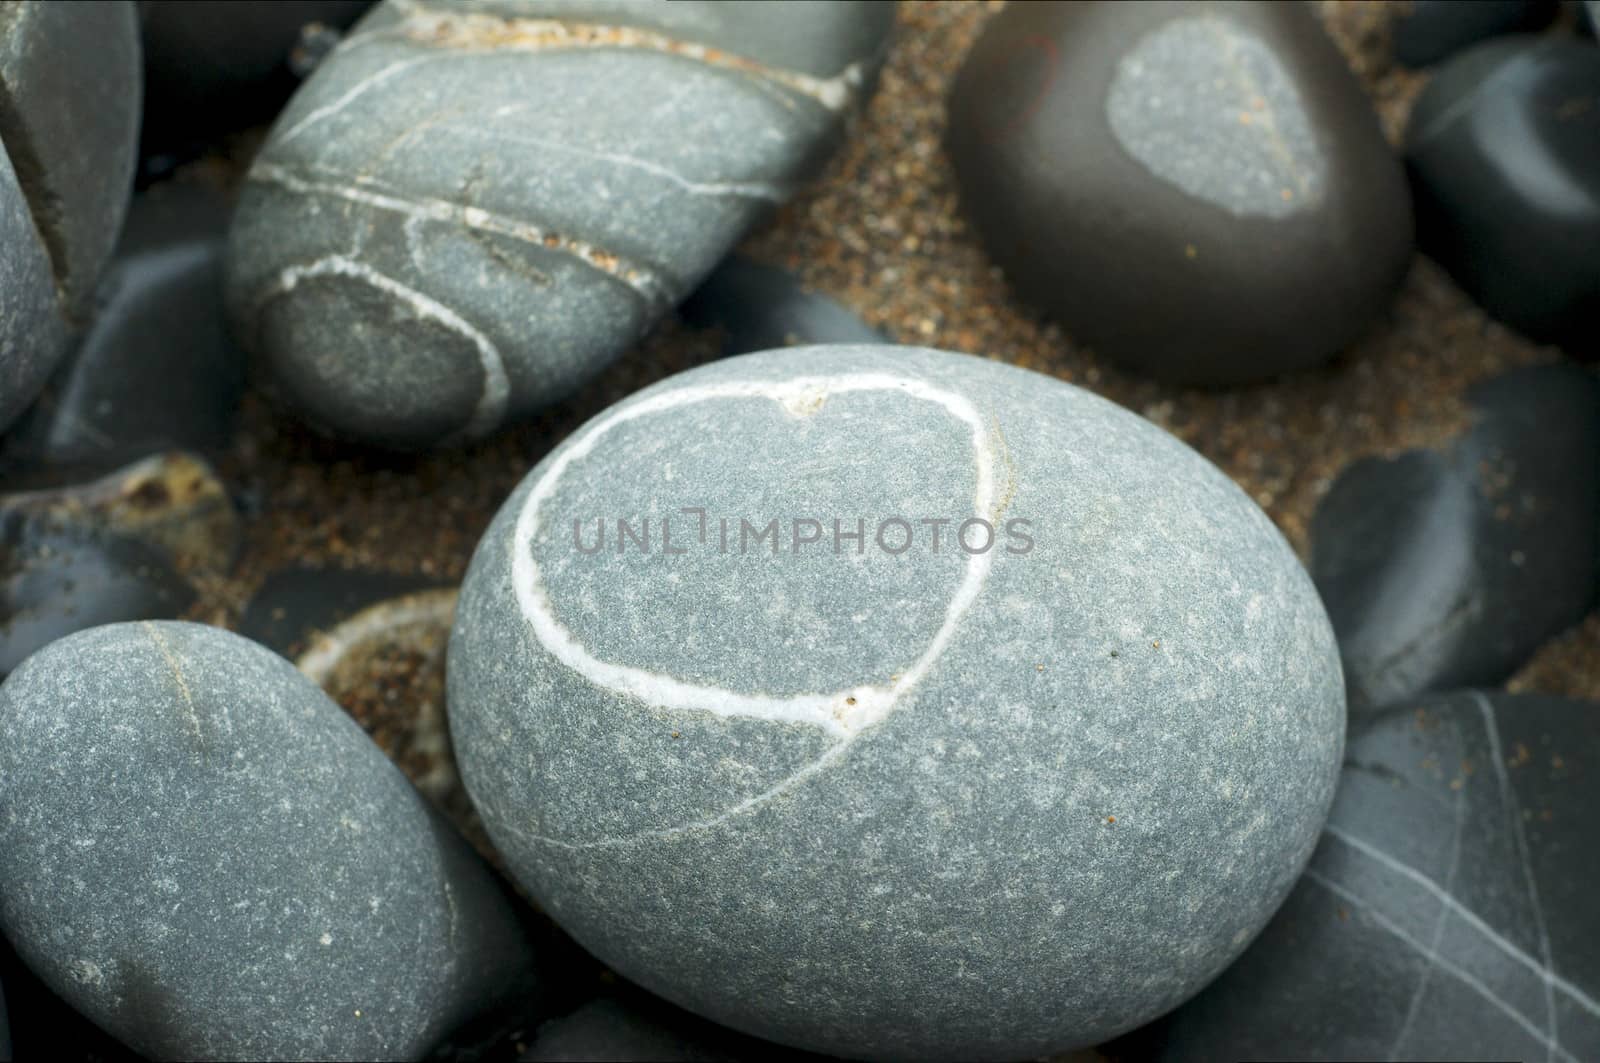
(1200, 192)
(751, 781)
(155, 368)
(1431, 30)
(293, 605)
(478, 253)
(1503, 149)
(1450, 567)
(758, 307)
(1449, 910)
(213, 66)
(280, 890)
(124, 547)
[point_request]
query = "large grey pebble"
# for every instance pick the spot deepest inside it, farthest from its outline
(935, 805)
(466, 213)
(208, 858)
(69, 118)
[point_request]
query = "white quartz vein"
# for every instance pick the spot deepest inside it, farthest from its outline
(843, 714)
(1514, 809)
(1439, 923)
(1471, 918)
(1443, 964)
(643, 281)
(491, 405)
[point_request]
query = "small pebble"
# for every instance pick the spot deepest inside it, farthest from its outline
(752, 777)
(1200, 192)
(1503, 149)
(759, 307)
(280, 891)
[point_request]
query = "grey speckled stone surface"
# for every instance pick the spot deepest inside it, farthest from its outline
(427, 246)
(69, 116)
(208, 858)
(934, 805)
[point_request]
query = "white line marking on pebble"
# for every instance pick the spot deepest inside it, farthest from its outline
(843, 714)
(491, 405)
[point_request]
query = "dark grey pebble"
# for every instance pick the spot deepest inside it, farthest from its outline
(156, 368)
(293, 604)
(248, 877)
(1449, 911)
(1449, 568)
(1503, 149)
(759, 307)
(1427, 31)
(1198, 191)
(212, 66)
(467, 212)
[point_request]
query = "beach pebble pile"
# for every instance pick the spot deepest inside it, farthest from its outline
(808, 694)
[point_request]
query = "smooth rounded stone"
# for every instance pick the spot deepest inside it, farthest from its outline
(993, 800)
(1430, 30)
(5, 1031)
(69, 119)
(1449, 910)
(32, 333)
(1450, 567)
(758, 307)
(249, 877)
(1503, 149)
(1199, 191)
(156, 368)
(212, 66)
(124, 547)
(43, 1026)
(426, 247)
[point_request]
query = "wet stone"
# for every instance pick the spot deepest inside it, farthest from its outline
(826, 751)
(294, 605)
(1451, 567)
(212, 66)
(1201, 223)
(479, 255)
(1503, 149)
(1449, 910)
(344, 918)
(155, 368)
(126, 547)
(1431, 30)
(759, 307)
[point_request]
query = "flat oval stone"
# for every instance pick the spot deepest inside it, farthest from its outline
(478, 252)
(249, 877)
(766, 765)
(758, 307)
(1448, 912)
(1431, 30)
(1503, 149)
(1450, 567)
(1198, 191)
(33, 334)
